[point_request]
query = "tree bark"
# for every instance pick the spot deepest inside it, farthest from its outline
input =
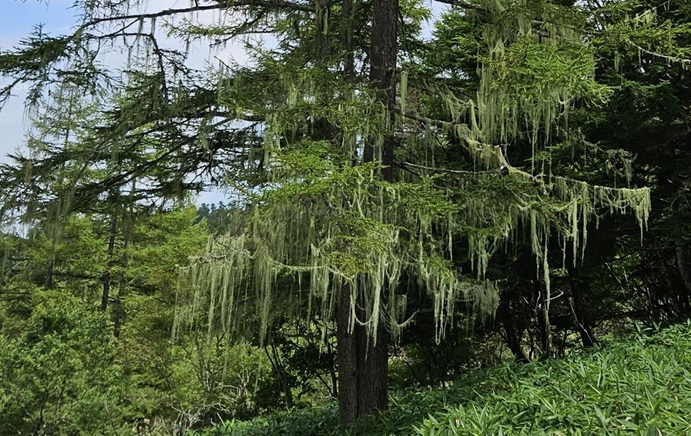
(373, 371)
(347, 40)
(50, 272)
(322, 37)
(513, 339)
(578, 291)
(362, 366)
(347, 361)
(281, 373)
(112, 233)
(546, 341)
(383, 75)
(683, 267)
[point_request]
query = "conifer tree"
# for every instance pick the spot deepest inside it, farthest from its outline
(333, 136)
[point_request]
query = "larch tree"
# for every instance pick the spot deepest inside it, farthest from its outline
(332, 136)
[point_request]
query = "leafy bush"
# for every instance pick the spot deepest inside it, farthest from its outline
(57, 374)
(223, 381)
(305, 422)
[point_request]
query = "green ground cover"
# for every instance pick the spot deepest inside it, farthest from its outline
(641, 385)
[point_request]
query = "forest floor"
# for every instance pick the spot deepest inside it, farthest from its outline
(641, 385)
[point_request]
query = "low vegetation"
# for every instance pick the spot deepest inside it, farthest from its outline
(641, 385)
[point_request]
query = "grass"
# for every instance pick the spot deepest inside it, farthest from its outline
(641, 386)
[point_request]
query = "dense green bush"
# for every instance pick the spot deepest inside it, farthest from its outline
(221, 382)
(57, 373)
(305, 422)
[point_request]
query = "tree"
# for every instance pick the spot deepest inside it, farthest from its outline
(333, 137)
(59, 374)
(645, 56)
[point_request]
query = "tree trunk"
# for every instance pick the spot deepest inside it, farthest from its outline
(513, 339)
(105, 296)
(347, 361)
(362, 366)
(546, 341)
(50, 273)
(322, 38)
(546, 331)
(373, 370)
(281, 373)
(579, 290)
(347, 40)
(683, 267)
(383, 75)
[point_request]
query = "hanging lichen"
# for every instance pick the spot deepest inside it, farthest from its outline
(327, 224)
(319, 225)
(531, 72)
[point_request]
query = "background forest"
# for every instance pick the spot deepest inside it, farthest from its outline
(454, 216)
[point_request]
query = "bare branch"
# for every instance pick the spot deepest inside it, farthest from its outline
(280, 4)
(675, 59)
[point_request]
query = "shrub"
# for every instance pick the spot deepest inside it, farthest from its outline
(57, 375)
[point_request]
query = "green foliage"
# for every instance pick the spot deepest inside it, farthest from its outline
(221, 218)
(628, 387)
(576, 89)
(63, 361)
(318, 421)
(57, 373)
(220, 382)
(635, 386)
(329, 224)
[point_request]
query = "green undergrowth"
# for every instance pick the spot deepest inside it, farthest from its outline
(638, 386)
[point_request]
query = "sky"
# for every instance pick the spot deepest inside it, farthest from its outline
(17, 20)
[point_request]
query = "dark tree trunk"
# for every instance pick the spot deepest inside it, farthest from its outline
(50, 273)
(546, 341)
(322, 37)
(546, 332)
(105, 296)
(347, 40)
(383, 74)
(362, 366)
(281, 373)
(579, 289)
(685, 273)
(347, 360)
(513, 339)
(373, 371)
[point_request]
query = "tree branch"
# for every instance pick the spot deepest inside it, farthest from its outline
(676, 59)
(464, 5)
(280, 4)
